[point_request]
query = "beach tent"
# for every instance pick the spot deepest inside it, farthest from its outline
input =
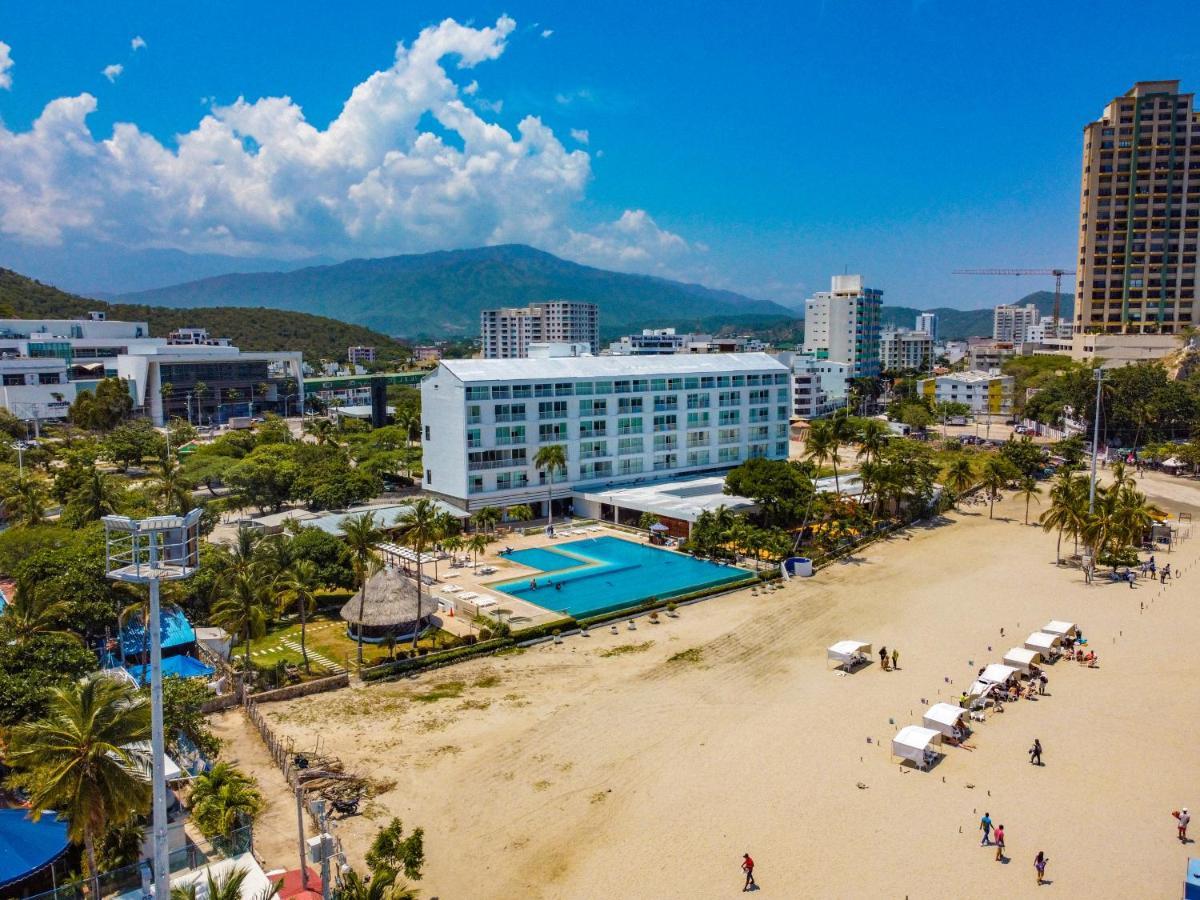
(915, 743)
(1062, 629)
(943, 717)
(27, 847)
(1044, 643)
(844, 651)
(980, 689)
(997, 674)
(1022, 658)
(1173, 463)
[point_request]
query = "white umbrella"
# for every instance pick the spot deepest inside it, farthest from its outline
(658, 526)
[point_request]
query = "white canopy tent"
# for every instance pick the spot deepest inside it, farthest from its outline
(944, 718)
(982, 689)
(1044, 643)
(1021, 658)
(847, 653)
(917, 744)
(1062, 629)
(998, 674)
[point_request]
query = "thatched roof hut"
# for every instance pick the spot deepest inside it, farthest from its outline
(390, 607)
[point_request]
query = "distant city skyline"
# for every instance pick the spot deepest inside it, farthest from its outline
(760, 151)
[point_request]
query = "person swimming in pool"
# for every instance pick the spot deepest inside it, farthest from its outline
(533, 584)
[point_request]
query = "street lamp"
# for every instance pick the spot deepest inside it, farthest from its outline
(20, 446)
(150, 551)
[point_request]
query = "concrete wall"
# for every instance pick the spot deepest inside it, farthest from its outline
(320, 686)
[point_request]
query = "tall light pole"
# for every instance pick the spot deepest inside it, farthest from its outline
(150, 551)
(1099, 374)
(19, 446)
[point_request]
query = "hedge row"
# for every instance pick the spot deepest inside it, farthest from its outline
(661, 602)
(398, 667)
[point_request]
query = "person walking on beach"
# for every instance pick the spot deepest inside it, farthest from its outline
(895, 658)
(999, 843)
(748, 868)
(1042, 682)
(1166, 573)
(883, 658)
(1035, 753)
(1039, 863)
(985, 825)
(1183, 818)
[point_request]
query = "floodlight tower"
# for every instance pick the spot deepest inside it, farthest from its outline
(151, 551)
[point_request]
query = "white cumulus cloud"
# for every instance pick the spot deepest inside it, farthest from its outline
(580, 135)
(6, 64)
(138, 43)
(547, 32)
(113, 72)
(405, 166)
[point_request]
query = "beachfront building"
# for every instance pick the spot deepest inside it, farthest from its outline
(983, 392)
(820, 387)
(1010, 323)
(905, 351)
(842, 324)
(928, 323)
(506, 333)
(621, 420)
(1139, 215)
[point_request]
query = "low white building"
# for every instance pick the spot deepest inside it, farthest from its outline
(820, 387)
(621, 421)
(983, 392)
(35, 389)
(665, 341)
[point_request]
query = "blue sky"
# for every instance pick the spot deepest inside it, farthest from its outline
(758, 147)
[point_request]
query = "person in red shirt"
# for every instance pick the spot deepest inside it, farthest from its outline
(999, 839)
(748, 868)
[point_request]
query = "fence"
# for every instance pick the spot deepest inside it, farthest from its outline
(303, 689)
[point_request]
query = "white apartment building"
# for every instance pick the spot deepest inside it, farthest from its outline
(198, 336)
(842, 324)
(981, 391)
(622, 421)
(928, 323)
(506, 333)
(662, 341)
(1045, 331)
(902, 351)
(1010, 323)
(35, 389)
(819, 386)
(359, 355)
(984, 356)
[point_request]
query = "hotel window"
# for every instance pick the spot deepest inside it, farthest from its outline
(522, 391)
(665, 423)
(629, 426)
(478, 393)
(666, 461)
(626, 405)
(698, 458)
(583, 388)
(781, 449)
(729, 436)
(596, 469)
(698, 438)
(665, 442)
(622, 386)
(781, 378)
(630, 446)
(699, 401)
(501, 392)
(593, 449)
(698, 420)
(729, 454)
(554, 433)
(781, 430)
(759, 414)
(640, 385)
(739, 380)
(543, 390)
(759, 433)
(506, 435)
(708, 382)
(473, 415)
(564, 389)
(729, 417)
(473, 438)
(658, 384)
(510, 412)
(556, 409)
(730, 398)
(593, 407)
(594, 428)
(631, 466)
(781, 394)
(603, 388)
(666, 403)
(475, 484)
(722, 381)
(691, 383)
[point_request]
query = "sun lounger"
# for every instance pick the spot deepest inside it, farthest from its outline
(487, 570)
(485, 602)
(469, 595)
(451, 588)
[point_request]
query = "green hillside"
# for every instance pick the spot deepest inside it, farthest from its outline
(441, 294)
(250, 329)
(959, 324)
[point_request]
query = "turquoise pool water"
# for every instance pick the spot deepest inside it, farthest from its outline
(595, 575)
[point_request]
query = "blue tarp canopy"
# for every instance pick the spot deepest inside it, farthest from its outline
(27, 846)
(182, 666)
(176, 631)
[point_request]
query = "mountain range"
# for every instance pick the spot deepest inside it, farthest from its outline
(959, 324)
(441, 294)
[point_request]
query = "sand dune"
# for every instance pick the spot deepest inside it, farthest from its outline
(577, 771)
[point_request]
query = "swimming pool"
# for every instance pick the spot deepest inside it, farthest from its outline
(606, 573)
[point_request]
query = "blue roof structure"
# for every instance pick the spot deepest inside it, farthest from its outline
(27, 846)
(180, 666)
(176, 632)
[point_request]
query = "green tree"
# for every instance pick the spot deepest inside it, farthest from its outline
(297, 587)
(783, 490)
(361, 535)
(129, 443)
(105, 407)
(380, 886)
(648, 520)
(873, 436)
(522, 512)
(1068, 508)
(223, 800)
(550, 460)
(242, 610)
(997, 472)
(265, 478)
(77, 760)
(24, 501)
(1028, 488)
(183, 715)
(100, 495)
(393, 851)
(417, 527)
(173, 488)
(488, 517)
(227, 886)
(960, 476)
(477, 543)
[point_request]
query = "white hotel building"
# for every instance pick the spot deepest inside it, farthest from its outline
(622, 421)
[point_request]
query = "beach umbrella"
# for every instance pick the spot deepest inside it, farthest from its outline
(658, 526)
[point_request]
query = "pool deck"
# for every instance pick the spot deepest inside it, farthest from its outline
(525, 613)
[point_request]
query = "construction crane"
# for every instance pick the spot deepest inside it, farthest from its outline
(1057, 273)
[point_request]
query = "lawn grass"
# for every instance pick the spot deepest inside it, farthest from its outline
(326, 635)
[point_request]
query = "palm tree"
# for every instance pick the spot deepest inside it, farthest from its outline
(322, 431)
(738, 535)
(243, 555)
(380, 886)
(417, 527)
(550, 459)
(408, 419)
(960, 476)
(820, 446)
(243, 609)
(29, 614)
(199, 389)
(172, 488)
(519, 513)
(477, 543)
(297, 586)
(80, 760)
(223, 800)
(24, 502)
(453, 543)
(1028, 488)
(223, 887)
(1068, 507)
(487, 518)
(995, 477)
(97, 497)
(872, 438)
(445, 526)
(362, 534)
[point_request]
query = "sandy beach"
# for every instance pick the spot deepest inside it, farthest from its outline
(644, 764)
